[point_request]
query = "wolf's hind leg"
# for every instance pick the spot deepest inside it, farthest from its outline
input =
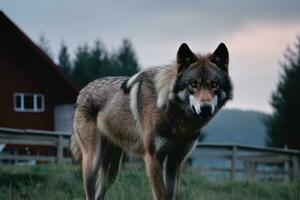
(90, 164)
(89, 142)
(111, 156)
(89, 174)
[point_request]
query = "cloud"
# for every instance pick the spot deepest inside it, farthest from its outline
(255, 54)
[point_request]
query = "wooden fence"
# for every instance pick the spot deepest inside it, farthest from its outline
(58, 140)
(235, 159)
(250, 161)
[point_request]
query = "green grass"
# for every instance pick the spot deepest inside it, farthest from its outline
(51, 182)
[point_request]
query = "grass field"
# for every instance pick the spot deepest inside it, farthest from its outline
(50, 182)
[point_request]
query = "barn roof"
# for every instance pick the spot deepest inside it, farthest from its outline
(16, 42)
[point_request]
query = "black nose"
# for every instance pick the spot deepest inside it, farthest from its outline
(206, 110)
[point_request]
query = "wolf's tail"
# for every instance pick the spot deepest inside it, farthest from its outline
(75, 148)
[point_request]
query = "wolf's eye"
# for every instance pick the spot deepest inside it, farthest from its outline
(193, 84)
(214, 85)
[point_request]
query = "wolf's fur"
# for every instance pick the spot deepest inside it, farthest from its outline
(156, 114)
(75, 149)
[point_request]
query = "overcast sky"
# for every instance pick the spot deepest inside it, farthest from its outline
(256, 33)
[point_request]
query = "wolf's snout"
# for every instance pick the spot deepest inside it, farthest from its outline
(206, 109)
(203, 109)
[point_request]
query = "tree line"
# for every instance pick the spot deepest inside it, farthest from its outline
(95, 61)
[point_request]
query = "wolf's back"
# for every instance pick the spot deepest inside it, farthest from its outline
(96, 94)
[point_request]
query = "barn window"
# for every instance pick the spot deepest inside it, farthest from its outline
(25, 102)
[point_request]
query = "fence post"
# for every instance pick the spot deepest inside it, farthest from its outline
(60, 148)
(287, 176)
(233, 162)
(295, 168)
(250, 170)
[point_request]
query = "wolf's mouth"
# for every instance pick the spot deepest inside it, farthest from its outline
(206, 111)
(203, 109)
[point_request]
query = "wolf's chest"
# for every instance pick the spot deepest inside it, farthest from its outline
(163, 144)
(175, 138)
(179, 129)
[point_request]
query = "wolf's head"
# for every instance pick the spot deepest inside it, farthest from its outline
(202, 84)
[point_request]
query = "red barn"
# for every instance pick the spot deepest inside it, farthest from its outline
(34, 92)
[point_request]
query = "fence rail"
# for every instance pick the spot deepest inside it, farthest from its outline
(250, 159)
(58, 140)
(237, 159)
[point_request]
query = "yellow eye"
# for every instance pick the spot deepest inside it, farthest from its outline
(193, 84)
(214, 85)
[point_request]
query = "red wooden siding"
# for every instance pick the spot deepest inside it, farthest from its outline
(14, 78)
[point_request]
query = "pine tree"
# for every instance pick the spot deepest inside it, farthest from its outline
(127, 59)
(81, 70)
(43, 43)
(99, 61)
(283, 126)
(64, 59)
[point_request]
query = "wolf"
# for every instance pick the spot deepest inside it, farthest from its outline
(156, 114)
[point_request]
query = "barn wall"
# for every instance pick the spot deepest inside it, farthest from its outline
(15, 76)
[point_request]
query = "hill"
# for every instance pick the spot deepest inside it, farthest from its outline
(236, 126)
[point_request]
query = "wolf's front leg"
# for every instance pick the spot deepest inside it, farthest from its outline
(155, 176)
(173, 169)
(173, 172)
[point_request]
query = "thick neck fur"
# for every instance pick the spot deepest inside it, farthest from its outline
(164, 84)
(179, 124)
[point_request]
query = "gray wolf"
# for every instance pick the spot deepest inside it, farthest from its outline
(156, 114)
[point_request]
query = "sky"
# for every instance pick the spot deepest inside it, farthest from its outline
(256, 33)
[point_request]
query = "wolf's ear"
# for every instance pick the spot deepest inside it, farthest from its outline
(221, 57)
(185, 57)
